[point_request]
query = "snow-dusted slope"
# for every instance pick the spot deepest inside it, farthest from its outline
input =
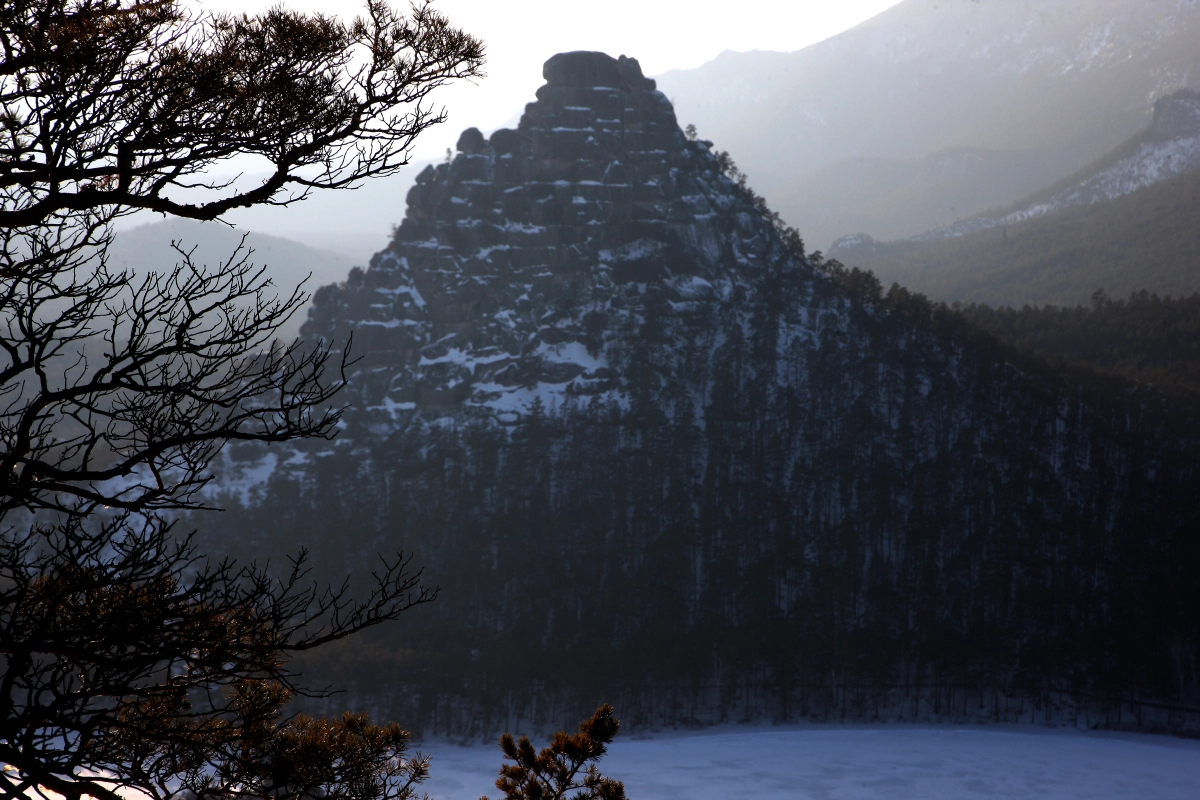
(1170, 146)
(1127, 222)
(859, 132)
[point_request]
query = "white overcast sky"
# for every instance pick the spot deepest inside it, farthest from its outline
(663, 35)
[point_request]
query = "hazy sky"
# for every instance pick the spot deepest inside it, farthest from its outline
(662, 34)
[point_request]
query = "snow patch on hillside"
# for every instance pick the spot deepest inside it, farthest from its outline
(1158, 159)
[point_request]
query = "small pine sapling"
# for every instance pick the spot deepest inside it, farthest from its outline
(555, 772)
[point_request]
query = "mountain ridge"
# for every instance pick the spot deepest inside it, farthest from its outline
(1168, 146)
(286, 263)
(1127, 222)
(1049, 86)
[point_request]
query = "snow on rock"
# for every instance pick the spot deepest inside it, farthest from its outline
(524, 265)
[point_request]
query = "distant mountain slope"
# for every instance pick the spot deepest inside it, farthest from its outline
(897, 197)
(148, 247)
(861, 132)
(1058, 248)
(352, 223)
(1169, 146)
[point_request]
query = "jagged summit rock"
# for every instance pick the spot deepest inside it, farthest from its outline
(587, 69)
(471, 142)
(516, 259)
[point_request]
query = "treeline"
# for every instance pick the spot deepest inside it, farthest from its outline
(1145, 338)
(897, 518)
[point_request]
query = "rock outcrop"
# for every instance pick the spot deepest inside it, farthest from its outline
(519, 257)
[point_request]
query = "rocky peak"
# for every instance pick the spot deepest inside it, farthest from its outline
(586, 70)
(519, 260)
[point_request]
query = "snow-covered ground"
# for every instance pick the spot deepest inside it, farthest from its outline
(893, 762)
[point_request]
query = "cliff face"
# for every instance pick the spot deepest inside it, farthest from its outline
(523, 260)
(654, 455)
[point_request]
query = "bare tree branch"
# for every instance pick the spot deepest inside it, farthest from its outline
(127, 662)
(173, 94)
(126, 653)
(118, 391)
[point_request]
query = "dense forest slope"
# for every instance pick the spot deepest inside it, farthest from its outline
(939, 109)
(1130, 221)
(653, 454)
(1144, 338)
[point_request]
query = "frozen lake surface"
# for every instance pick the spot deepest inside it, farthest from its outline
(894, 762)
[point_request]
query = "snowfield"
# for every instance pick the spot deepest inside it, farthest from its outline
(863, 763)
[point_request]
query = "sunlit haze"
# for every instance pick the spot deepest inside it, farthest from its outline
(662, 35)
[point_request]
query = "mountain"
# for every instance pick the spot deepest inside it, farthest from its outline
(654, 454)
(146, 248)
(1128, 222)
(351, 224)
(1169, 146)
(936, 110)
